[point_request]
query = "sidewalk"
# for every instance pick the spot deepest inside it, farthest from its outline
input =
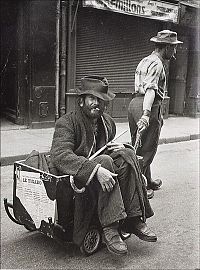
(17, 143)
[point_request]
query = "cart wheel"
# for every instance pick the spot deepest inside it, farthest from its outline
(124, 235)
(91, 242)
(29, 228)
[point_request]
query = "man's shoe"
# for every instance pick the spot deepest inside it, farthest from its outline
(154, 184)
(113, 240)
(136, 226)
(150, 193)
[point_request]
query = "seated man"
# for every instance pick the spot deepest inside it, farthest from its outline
(114, 187)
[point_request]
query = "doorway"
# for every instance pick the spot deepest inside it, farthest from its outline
(9, 14)
(13, 64)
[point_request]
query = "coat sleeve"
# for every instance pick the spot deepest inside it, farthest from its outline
(111, 127)
(63, 156)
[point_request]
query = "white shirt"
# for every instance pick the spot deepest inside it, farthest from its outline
(150, 74)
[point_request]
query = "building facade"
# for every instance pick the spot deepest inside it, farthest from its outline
(47, 46)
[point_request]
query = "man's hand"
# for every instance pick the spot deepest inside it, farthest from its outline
(111, 146)
(143, 123)
(105, 178)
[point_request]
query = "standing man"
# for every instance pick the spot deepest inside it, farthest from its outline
(144, 112)
(114, 187)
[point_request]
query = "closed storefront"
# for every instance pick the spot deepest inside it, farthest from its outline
(111, 45)
(54, 43)
(110, 38)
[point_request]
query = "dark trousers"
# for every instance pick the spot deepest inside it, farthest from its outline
(95, 205)
(150, 137)
(123, 200)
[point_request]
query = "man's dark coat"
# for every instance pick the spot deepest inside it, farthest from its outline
(73, 141)
(72, 144)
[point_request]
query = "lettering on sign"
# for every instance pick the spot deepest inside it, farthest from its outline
(32, 194)
(158, 10)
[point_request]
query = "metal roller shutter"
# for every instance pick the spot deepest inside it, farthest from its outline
(111, 45)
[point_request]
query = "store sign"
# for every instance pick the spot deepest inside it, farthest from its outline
(192, 3)
(144, 8)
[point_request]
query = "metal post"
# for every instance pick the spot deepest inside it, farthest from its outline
(57, 59)
(69, 46)
(63, 58)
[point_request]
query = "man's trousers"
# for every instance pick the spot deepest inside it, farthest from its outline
(150, 137)
(127, 199)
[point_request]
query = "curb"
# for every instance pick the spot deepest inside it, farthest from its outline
(5, 161)
(179, 139)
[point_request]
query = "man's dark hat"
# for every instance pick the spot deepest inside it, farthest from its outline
(96, 86)
(166, 37)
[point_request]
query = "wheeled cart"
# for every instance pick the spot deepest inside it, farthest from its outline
(35, 207)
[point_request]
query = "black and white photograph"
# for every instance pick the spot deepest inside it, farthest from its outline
(100, 134)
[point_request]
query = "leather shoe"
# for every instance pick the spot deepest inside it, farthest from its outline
(113, 240)
(136, 226)
(154, 184)
(150, 193)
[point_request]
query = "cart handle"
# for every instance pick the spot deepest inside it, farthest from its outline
(7, 205)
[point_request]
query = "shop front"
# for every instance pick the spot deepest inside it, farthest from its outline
(110, 38)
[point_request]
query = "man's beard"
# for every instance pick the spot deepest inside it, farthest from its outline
(93, 112)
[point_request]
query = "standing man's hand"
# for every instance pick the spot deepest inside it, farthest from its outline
(143, 123)
(105, 178)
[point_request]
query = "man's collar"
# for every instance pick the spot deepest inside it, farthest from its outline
(158, 55)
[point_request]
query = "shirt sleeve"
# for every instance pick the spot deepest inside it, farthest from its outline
(153, 74)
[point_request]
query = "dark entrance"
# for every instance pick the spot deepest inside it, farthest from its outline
(9, 14)
(28, 62)
(13, 62)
